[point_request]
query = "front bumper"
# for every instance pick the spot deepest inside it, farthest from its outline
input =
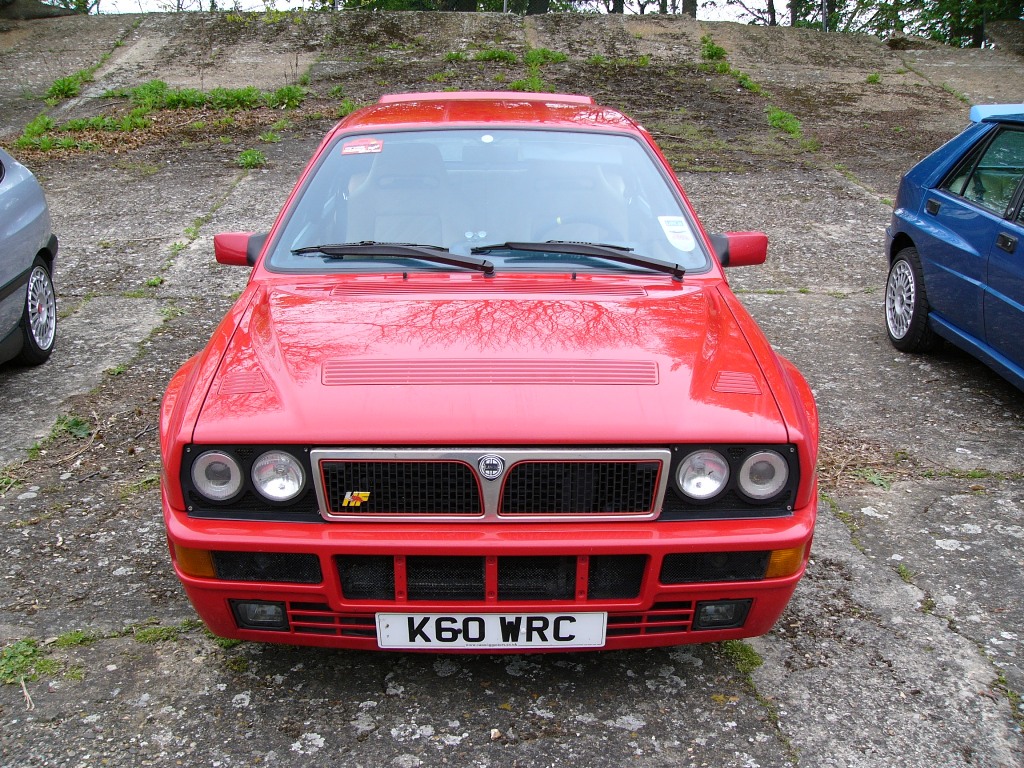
(649, 577)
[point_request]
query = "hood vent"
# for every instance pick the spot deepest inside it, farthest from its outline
(736, 383)
(492, 286)
(243, 383)
(348, 372)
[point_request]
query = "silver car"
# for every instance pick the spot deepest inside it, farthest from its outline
(28, 250)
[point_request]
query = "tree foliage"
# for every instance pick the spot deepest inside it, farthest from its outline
(954, 22)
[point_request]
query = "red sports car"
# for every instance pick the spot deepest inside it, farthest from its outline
(488, 390)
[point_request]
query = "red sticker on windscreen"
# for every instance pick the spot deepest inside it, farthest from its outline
(362, 146)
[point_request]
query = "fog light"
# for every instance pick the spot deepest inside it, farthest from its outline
(721, 614)
(259, 614)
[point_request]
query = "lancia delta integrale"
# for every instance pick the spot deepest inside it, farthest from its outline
(487, 389)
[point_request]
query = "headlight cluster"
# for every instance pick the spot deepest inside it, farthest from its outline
(759, 475)
(276, 475)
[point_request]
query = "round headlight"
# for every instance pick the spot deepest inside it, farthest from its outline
(278, 476)
(763, 475)
(216, 475)
(703, 474)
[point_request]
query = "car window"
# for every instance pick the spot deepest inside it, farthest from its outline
(990, 175)
(462, 189)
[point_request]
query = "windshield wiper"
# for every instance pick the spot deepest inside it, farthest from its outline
(618, 253)
(371, 249)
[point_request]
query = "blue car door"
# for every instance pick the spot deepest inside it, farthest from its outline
(1004, 300)
(969, 211)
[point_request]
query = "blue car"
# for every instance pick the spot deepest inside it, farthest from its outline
(28, 249)
(956, 246)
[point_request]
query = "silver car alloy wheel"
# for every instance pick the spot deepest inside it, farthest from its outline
(42, 308)
(900, 295)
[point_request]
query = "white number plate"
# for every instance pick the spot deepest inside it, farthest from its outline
(438, 631)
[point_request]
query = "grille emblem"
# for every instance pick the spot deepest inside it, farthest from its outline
(491, 466)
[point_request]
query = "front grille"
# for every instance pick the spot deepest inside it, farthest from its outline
(455, 578)
(400, 487)
(488, 485)
(580, 488)
(267, 566)
(700, 567)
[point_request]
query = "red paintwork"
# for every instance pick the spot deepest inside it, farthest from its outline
(260, 380)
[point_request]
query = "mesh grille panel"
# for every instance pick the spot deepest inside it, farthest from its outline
(536, 578)
(700, 567)
(616, 576)
(580, 487)
(401, 487)
(445, 578)
(267, 566)
(367, 577)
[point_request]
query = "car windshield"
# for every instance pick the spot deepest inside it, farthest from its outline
(466, 189)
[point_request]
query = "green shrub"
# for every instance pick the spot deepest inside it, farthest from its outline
(185, 98)
(249, 97)
(346, 108)
(710, 51)
(64, 88)
(288, 97)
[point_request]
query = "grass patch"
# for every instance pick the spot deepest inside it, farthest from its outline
(874, 78)
(74, 426)
(783, 121)
(76, 637)
(251, 158)
(156, 634)
(134, 489)
(905, 573)
(24, 660)
(538, 57)
(495, 54)
(743, 656)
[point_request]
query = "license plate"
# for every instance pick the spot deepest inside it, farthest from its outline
(440, 631)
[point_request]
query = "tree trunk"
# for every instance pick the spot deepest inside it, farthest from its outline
(772, 20)
(618, 6)
(663, 6)
(690, 8)
(537, 7)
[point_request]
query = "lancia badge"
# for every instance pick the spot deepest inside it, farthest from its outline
(491, 466)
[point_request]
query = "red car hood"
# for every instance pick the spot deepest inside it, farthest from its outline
(457, 360)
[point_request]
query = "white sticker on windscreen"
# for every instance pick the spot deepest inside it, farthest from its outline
(678, 232)
(363, 146)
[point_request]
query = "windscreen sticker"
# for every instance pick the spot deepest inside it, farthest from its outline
(363, 146)
(678, 232)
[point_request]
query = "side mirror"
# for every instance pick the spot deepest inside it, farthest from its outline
(740, 249)
(238, 249)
